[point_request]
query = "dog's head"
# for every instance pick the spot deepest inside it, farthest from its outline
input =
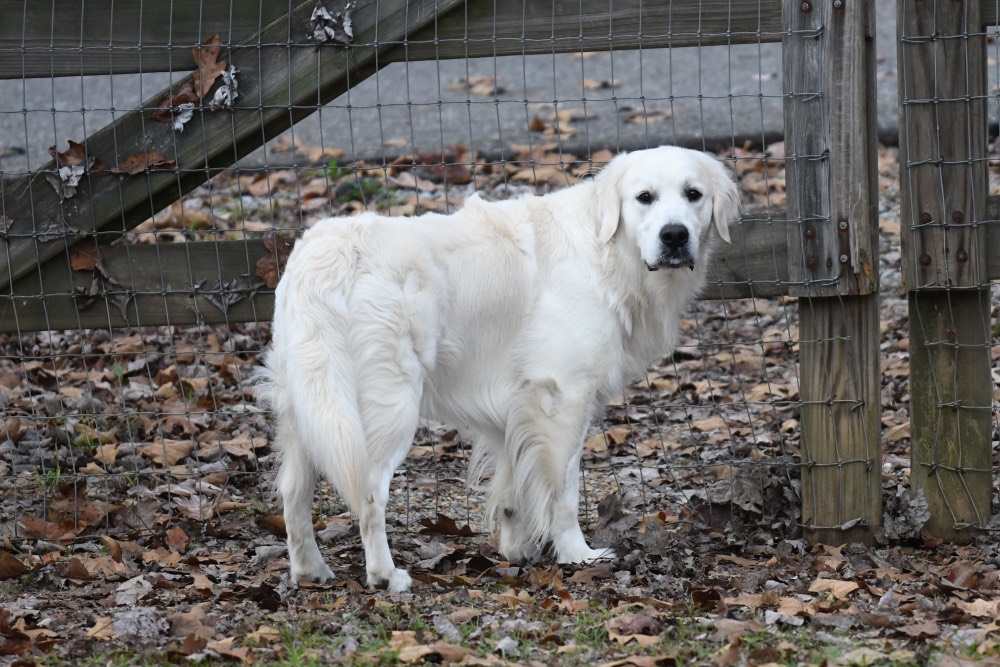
(666, 201)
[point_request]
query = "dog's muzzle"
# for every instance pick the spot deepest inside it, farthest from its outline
(675, 248)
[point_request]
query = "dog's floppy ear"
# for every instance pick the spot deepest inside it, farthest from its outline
(608, 199)
(726, 201)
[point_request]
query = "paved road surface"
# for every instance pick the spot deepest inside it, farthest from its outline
(707, 97)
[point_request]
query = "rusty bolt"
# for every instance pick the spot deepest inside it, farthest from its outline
(926, 217)
(838, 4)
(806, 7)
(842, 225)
(843, 259)
(810, 233)
(957, 216)
(961, 255)
(925, 259)
(812, 262)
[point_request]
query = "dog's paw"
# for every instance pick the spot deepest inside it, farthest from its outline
(397, 581)
(587, 555)
(316, 576)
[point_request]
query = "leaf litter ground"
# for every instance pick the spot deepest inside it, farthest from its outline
(138, 523)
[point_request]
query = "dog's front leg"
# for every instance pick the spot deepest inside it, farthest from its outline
(543, 446)
(567, 537)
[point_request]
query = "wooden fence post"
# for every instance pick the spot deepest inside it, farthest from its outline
(943, 172)
(831, 153)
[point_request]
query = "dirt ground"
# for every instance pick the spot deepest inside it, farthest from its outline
(138, 525)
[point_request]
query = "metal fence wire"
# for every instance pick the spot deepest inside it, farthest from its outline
(158, 159)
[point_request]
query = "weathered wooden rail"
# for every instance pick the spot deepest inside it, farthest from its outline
(823, 249)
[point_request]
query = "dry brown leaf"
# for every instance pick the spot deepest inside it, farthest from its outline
(444, 525)
(464, 615)
(794, 607)
(228, 648)
(648, 116)
(728, 629)
(54, 532)
(169, 452)
(980, 608)
(713, 423)
(537, 124)
(438, 652)
(74, 156)
(272, 265)
(643, 661)
(103, 629)
(177, 540)
(71, 165)
(513, 598)
(478, 85)
(113, 547)
(963, 575)
(595, 572)
(141, 161)
(274, 524)
(11, 567)
(920, 630)
(264, 635)
(177, 108)
(12, 429)
(604, 84)
(209, 67)
(899, 432)
(565, 601)
(838, 588)
(196, 507)
(643, 630)
(75, 569)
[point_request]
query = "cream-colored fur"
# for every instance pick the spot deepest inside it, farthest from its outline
(515, 321)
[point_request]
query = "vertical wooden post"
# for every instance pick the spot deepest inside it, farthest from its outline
(831, 153)
(943, 148)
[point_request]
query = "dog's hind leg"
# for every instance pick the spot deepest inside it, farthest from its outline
(389, 403)
(296, 483)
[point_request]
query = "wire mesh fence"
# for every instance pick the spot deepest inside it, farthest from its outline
(142, 248)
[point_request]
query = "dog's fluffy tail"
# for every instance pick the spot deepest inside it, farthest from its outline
(314, 400)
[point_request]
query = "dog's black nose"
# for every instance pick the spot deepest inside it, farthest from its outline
(673, 236)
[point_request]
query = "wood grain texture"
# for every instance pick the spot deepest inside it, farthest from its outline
(839, 389)
(942, 144)
(144, 285)
(102, 36)
(214, 283)
(830, 140)
(951, 406)
(279, 84)
(831, 153)
(946, 258)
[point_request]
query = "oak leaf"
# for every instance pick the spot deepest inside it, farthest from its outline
(272, 265)
(141, 161)
(11, 567)
(209, 67)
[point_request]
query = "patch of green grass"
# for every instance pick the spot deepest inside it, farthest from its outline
(361, 189)
(336, 172)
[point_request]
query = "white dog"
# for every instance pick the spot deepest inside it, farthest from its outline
(516, 320)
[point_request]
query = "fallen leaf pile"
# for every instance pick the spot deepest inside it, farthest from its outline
(135, 473)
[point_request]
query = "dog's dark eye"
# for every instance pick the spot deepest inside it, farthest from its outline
(645, 197)
(692, 195)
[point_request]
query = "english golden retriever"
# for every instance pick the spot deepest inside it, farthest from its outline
(516, 320)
